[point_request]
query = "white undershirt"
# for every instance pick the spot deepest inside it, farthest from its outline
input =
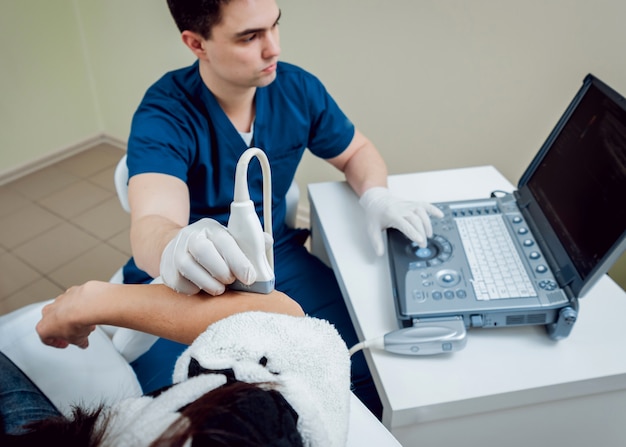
(247, 136)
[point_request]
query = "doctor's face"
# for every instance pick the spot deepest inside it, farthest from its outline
(244, 47)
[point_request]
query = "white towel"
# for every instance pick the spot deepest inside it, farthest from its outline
(139, 421)
(304, 356)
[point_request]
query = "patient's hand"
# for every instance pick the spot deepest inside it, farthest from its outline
(60, 324)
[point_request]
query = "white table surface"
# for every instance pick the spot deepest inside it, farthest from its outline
(365, 430)
(499, 369)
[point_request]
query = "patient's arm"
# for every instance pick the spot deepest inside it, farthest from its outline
(151, 308)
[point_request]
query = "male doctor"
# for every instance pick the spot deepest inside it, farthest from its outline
(186, 138)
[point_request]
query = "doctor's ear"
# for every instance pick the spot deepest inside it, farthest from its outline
(195, 42)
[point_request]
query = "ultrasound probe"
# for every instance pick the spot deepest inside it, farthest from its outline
(245, 227)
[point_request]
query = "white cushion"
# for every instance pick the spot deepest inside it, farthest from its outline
(71, 376)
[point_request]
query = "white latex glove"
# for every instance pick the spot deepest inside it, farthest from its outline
(384, 210)
(204, 256)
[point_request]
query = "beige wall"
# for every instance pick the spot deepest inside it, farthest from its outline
(435, 84)
(47, 101)
(438, 84)
(131, 44)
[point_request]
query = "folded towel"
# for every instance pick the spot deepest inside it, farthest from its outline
(304, 357)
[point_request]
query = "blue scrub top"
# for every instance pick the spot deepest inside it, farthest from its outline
(180, 129)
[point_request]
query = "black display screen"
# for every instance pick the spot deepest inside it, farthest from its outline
(580, 183)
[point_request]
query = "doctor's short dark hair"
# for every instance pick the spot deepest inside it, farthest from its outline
(198, 16)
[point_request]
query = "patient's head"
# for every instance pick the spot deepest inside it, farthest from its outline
(234, 414)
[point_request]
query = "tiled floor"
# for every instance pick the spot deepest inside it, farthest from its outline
(61, 226)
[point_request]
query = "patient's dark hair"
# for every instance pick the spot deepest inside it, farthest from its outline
(235, 414)
(198, 16)
(79, 430)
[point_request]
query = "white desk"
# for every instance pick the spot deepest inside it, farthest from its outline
(509, 386)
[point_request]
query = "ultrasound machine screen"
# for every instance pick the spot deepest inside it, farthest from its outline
(580, 185)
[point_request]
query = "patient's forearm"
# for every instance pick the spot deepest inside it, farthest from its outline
(152, 308)
(161, 311)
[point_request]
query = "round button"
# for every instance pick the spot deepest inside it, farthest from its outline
(437, 295)
(419, 296)
(517, 219)
(448, 278)
(522, 230)
(528, 243)
(541, 269)
(534, 255)
(423, 253)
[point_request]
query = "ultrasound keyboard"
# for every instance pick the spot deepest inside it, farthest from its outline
(482, 255)
(497, 269)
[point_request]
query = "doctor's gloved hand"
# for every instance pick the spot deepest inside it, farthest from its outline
(204, 256)
(384, 210)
